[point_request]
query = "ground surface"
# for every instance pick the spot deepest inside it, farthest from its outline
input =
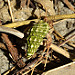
(64, 28)
(67, 69)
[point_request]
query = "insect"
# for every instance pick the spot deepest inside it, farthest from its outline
(37, 33)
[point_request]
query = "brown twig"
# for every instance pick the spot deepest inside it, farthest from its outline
(3, 46)
(28, 3)
(71, 44)
(71, 37)
(32, 68)
(13, 51)
(23, 2)
(9, 70)
(35, 64)
(46, 58)
(10, 11)
(66, 40)
(60, 50)
(69, 5)
(57, 38)
(49, 41)
(58, 33)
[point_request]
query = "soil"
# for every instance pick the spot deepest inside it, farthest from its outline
(24, 13)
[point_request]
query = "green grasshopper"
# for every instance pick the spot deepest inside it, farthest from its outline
(37, 33)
